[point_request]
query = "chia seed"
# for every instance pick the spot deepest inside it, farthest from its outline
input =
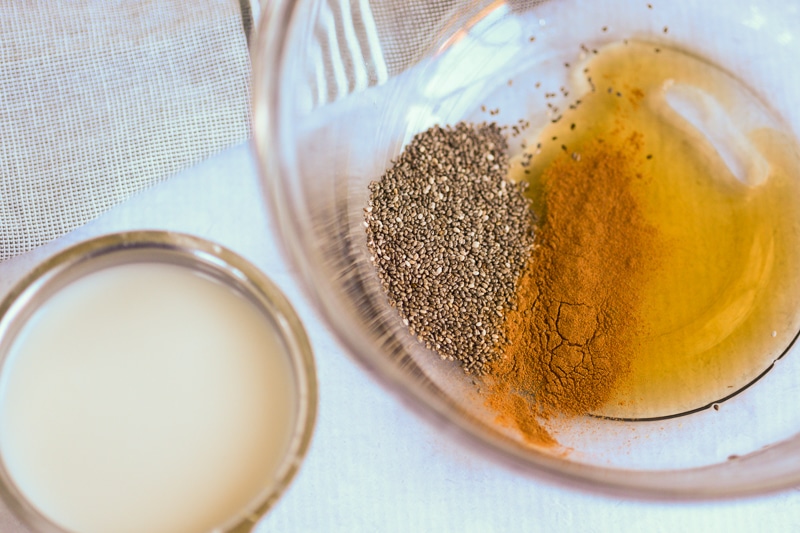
(449, 236)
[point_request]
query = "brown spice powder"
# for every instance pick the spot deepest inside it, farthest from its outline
(576, 323)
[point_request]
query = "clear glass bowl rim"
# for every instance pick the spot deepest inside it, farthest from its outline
(713, 482)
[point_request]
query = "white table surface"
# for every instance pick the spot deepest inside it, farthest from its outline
(373, 466)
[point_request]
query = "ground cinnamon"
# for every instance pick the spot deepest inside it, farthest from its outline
(574, 329)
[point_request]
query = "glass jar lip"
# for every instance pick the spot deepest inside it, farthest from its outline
(269, 87)
(195, 254)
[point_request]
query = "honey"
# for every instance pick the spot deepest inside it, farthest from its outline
(720, 184)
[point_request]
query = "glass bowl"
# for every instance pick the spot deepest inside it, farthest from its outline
(340, 87)
(40, 498)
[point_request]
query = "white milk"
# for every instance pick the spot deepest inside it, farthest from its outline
(145, 398)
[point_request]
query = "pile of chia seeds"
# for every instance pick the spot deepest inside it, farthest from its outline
(449, 236)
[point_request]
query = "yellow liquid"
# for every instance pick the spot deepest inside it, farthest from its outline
(721, 187)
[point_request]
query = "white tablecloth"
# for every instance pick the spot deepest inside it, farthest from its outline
(373, 466)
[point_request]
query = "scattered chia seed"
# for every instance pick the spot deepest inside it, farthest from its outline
(449, 237)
